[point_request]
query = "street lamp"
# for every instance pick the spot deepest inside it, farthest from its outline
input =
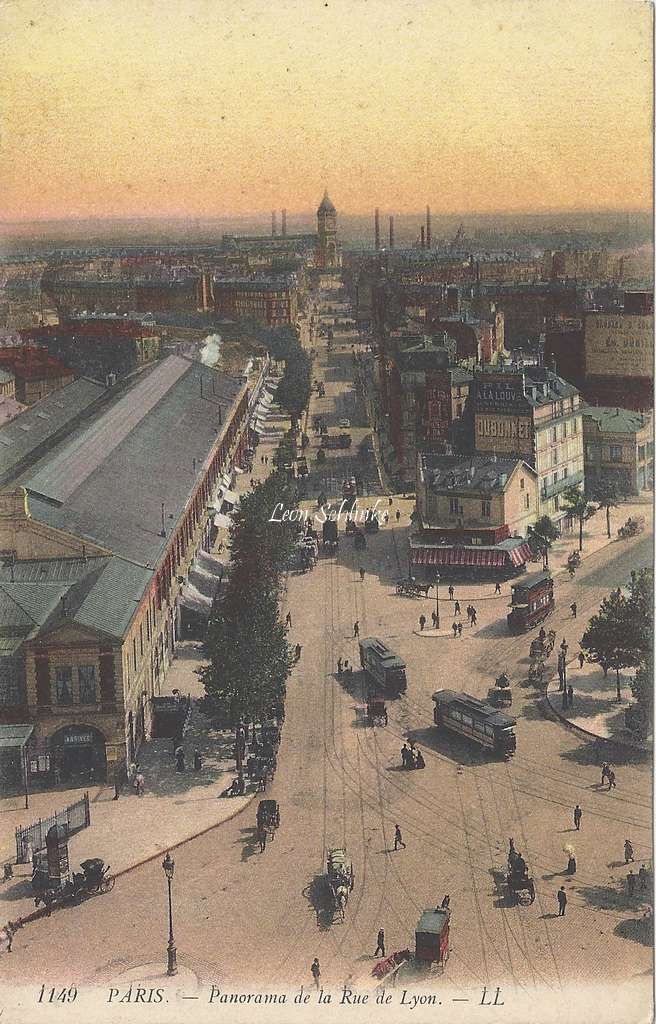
(169, 867)
(437, 600)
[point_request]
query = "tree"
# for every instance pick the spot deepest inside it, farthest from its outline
(611, 634)
(607, 494)
(542, 535)
(641, 610)
(295, 387)
(577, 505)
(642, 687)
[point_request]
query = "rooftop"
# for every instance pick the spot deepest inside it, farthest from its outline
(474, 473)
(107, 482)
(32, 363)
(613, 420)
(27, 432)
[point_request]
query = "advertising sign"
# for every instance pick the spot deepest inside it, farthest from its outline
(504, 433)
(619, 345)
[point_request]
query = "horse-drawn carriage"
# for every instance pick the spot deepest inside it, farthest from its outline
(341, 879)
(268, 820)
(500, 695)
(521, 887)
(412, 588)
(94, 880)
(632, 527)
(376, 710)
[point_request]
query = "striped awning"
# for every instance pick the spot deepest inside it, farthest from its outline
(521, 554)
(485, 557)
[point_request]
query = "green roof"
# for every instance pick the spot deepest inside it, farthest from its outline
(12, 736)
(613, 420)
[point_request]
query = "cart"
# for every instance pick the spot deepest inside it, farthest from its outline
(94, 880)
(341, 879)
(411, 588)
(432, 938)
(376, 711)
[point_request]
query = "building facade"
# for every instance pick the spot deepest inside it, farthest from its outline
(619, 449)
(473, 512)
(272, 301)
(618, 355)
(535, 415)
(100, 545)
(36, 373)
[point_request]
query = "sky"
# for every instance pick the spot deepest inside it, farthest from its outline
(202, 108)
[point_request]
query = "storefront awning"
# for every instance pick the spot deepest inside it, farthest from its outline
(230, 496)
(238, 469)
(194, 601)
(15, 737)
(484, 557)
(222, 521)
(521, 554)
(209, 563)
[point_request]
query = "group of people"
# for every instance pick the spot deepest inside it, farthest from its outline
(412, 757)
(608, 775)
(181, 761)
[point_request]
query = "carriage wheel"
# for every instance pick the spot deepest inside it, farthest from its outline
(107, 884)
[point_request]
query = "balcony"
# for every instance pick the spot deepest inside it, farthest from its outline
(549, 490)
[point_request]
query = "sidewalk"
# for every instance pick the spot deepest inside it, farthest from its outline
(126, 832)
(595, 708)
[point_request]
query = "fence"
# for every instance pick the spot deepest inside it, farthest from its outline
(73, 818)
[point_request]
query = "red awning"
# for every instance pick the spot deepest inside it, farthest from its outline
(487, 557)
(521, 554)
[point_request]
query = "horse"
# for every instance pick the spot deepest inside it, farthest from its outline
(341, 898)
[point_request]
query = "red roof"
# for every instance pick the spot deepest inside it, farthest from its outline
(31, 363)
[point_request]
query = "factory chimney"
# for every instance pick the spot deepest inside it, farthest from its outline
(428, 227)
(377, 229)
(274, 224)
(391, 233)
(283, 228)
(423, 237)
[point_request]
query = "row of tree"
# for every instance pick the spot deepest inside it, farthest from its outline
(249, 659)
(580, 506)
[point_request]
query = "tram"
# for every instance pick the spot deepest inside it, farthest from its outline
(479, 722)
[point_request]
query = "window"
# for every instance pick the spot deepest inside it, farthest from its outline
(565, 429)
(575, 426)
(557, 504)
(64, 684)
(486, 508)
(141, 639)
(476, 540)
(615, 453)
(555, 478)
(453, 506)
(521, 484)
(565, 472)
(527, 500)
(87, 678)
(641, 452)
(554, 434)
(134, 654)
(554, 458)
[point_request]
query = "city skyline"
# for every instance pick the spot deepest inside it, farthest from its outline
(137, 111)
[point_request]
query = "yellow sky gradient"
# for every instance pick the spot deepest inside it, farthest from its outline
(210, 107)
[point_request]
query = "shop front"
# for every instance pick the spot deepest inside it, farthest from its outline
(78, 752)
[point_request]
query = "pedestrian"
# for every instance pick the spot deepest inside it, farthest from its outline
(390, 502)
(571, 862)
(456, 608)
(419, 759)
(630, 883)
(288, 620)
(361, 575)
(404, 755)
(451, 592)
(139, 784)
(434, 619)
(198, 761)
(398, 838)
(573, 607)
(297, 652)
(459, 624)
(262, 459)
(347, 667)
(339, 666)
(642, 876)
(266, 460)
(570, 695)
(444, 905)
(398, 515)
(262, 838)
(581, 659)
(628, 851)
(356, 628)
(316, 971)
(611, 779)
(454, 627)
(380, 942)
(577, 817)
(497, 587)
(179, 760)
(604, 772)
(473, 619)
(562, 901)
(422, 622)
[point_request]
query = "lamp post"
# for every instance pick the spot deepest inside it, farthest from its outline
(169, 867)
(437, 600)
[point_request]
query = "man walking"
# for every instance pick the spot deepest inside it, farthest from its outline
(422, 622)
(473, 616)
(611, 779)
(562, 901)
(361, 575)
(630, 883)
(398, 515)
(581, 659)
(434, 618)
(454, 627)
(398, 838)
(459, 625)
(404, 756)
(288, 620)
(628, 851)
(380, 947)
(451, 592)
(339, 666)
(604, 772)
(456, 608)
(570, 695)
(316, 972)
(642, 876)
(497, 588)
(577, 817)
(573, 607)
(356, 628)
